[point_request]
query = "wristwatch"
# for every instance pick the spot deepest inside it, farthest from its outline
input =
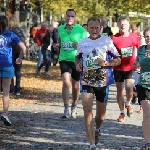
(106, 63)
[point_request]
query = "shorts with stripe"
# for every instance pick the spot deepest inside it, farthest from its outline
(101, 93)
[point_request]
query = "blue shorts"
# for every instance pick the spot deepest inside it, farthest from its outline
(6, 72)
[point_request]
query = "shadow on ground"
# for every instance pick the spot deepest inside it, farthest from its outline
(42, 131)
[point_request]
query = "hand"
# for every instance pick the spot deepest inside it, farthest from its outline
(147, 53)
(136, 66)
(100, 62)
(75, 44)
(18, 61)
(56, 46)
(42, 35)
(79, 67)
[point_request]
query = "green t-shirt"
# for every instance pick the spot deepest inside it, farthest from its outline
(144, 61)
(67, 51)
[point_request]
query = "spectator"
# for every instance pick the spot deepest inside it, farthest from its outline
(33, 30)
(55, 51)
(15, 54)
(46, 50)
(115, 28)
(38, 40)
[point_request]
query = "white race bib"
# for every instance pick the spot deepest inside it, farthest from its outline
(126, 52)
(67, 45)
(145, 78)
(91, 64)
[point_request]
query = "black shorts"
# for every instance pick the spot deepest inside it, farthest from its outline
(101, 93)
(120, 76)
(141, 93)
(69, 66)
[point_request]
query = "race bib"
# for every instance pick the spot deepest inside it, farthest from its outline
(105, 34)
(67, 45)
(126, 52)
(145, 78)
(91, 64)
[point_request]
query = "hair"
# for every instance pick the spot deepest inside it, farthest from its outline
(50, 25)
(93, 19)
(85, 24)
(3, 23)
(122, 18)
(146, 30)
(35, 24)
(12, 22)
(43, 24)
(71, 10)
(104, 18)
(134, 24)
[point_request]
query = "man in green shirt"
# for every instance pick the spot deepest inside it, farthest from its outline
(69, 36)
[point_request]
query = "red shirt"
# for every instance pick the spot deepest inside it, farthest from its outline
(37, 36)
(126, 47)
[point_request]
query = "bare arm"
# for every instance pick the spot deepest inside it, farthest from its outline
(23, 49)
(113, 62)
(78, 64)
(22, 52)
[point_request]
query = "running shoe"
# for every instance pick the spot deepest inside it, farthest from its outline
(121, 117)
(66, 114)
(134, 99)
(73, 112)
(4, 117)
(147, 146)
(97, 134)
(93, 148)
(129, 111)
(18, 94)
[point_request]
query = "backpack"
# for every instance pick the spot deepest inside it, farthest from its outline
(15, 47)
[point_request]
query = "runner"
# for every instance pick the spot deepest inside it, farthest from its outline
(98, 55)
(6, 63)
(106, 30)
(69, 36)
(137, 73)
(143, 88)
(134, 28)
(125, 43)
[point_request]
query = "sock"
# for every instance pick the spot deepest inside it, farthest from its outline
(66, 106)
(127, 103)
(122, 111)
(92, 145)
(147, 145)
(98, 130)
(74, 105)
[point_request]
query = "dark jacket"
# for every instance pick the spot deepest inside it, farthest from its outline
(55, 35)
(46, 40)
(107, 31)
(15, 47)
